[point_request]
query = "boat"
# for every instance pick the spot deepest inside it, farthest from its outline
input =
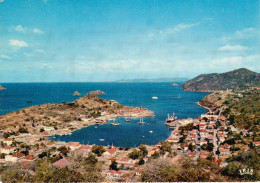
(151, 131)
(127, 120)
(171, 118)
(155, 97)
(115, 124)
(141, 121)
(95, 126)
(101, 139)
(179, 96)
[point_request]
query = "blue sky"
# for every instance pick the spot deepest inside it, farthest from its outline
(108, 40)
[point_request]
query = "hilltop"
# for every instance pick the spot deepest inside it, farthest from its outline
(236, 80)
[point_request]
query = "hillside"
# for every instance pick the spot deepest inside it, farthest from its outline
(236, 80)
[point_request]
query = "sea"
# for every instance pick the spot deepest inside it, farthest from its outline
(171, 99)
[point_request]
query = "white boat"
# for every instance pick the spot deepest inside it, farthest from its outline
(151, 131)
(155, 98)
(141, 121)
(101, 139)
(127, 120)
(115, 124)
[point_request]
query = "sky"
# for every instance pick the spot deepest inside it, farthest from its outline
(110, 40)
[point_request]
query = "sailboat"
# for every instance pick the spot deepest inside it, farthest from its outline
(141, 121)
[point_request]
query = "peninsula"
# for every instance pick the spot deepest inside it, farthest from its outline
(63, 118)
(237, 80)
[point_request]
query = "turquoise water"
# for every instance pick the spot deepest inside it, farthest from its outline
(127, 134)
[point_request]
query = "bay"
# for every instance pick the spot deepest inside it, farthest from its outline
(127, 134)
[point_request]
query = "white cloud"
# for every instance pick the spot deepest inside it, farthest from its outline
(236, 60)
(40, 51)
(233, 48)
(5, 57)
(177, 28)
(37, 31)
(46, 66)
(20, 28)
(244, 34)
(17, 43)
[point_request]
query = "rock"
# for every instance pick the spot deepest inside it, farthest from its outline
(175, 84)
(2, 88)
(96, 92)
(76, 93)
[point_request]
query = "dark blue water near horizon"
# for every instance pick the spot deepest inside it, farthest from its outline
(128, 134)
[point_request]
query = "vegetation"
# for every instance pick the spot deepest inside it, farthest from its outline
(98, 149)
(186, 170)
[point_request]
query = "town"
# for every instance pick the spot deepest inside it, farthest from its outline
(210, 137)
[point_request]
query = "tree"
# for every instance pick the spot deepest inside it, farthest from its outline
(191, 147)
(64, 150)
(141, 162)
(135, 154)
(143, 150)
(155, 155)
(98, 150)
(113, 166)
(91, 159)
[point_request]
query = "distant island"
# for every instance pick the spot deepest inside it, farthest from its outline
(76, 93)
(2, 88)
(175, 84)
(235, 80)
(96, 92)
(156, 80)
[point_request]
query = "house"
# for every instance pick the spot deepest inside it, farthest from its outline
(8, 141)
(126, 165)
(110, 153)
(226, 146)
(224, 152)
(61, 163)
(191, 153)
(175, 140)
(7, 150)
(114, 174)
(15, 157)
(110, 173)
(85, 149)
(204, 154)
(256, 143)
(139, 172)
(203, 142)
(74, 145)
(29, 157)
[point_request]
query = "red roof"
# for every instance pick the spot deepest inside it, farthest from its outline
(111, 151)
(8, 147)
(125, 159)
(118, 172)
(112, 159)
(192, 153)
(8, 139)
(140, 170)
(61, 163)
(85, 147)
(44, 133)
(111, 171)
(18, 155)
(29, 157)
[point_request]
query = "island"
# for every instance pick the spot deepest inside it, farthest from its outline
(96, 92)
(76, 93)
(2, 88)
(175, 84)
